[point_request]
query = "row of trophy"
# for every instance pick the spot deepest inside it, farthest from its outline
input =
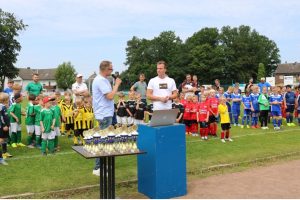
(111, 141)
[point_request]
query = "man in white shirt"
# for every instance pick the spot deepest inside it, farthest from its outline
(79, 88)
(161, 89)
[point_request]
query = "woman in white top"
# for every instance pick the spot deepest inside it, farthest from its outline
(161, 89)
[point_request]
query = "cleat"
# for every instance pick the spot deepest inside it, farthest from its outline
(288, 124)
(254, 127)
(229, 139)
(248, 126)
(242, 126)
(222, 140)
(8, 155)
(21, 144)
(2, 162)
(14, 145)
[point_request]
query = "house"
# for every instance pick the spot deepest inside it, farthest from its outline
(46, 77)
(287, 69)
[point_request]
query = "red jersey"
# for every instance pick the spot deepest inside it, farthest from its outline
(183, 101)
(203, 110)
(194, 110)
(213, 104)
(187, 110)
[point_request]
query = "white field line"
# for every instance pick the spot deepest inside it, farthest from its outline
(39, 155)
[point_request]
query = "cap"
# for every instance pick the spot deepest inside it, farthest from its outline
(79, 75)
(17, 95)
(47, 99)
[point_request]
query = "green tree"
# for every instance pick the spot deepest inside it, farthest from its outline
(261, 73)
(10, 27)
(65, 75)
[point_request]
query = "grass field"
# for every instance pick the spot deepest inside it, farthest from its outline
(70, 176)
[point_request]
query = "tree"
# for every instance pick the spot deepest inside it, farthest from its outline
(65, 75)
(261, 73)
(10, 27)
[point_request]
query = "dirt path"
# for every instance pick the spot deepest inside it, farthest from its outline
(277, 181)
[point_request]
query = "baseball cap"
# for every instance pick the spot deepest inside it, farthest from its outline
(47, 99)
(79, 75)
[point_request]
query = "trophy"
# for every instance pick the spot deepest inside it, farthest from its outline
(110, 139)
(134, 134)
(117, 140)
(96, 142)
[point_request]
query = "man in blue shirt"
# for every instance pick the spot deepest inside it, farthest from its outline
(262, 84)
(289, 102)
(275, 102)
(103, 100)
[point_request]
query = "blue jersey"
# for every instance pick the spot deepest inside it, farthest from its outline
(227, 96)
(290, 98)
(246, 100)
(278, 98)
(254, 100)
(236, 96)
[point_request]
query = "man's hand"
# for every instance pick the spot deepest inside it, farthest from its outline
(5, 128)
(43, 129)
(118, 81)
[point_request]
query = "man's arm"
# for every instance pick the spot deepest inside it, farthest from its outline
(151, 97)
(111, 94)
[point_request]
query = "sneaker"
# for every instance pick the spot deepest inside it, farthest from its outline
(96, 172)
(238, 125)
(288, 124)
(14, 145)
(234, 124)
(2, 162)
(254, 127)
(202, 138)
(266, 127)
(248, 126)
(205, 138)
(229, 139)
(30, 146)
(222, 140)
(21, 144)
(8, 155)
(242, 126)
(263, 128)
(292, 124)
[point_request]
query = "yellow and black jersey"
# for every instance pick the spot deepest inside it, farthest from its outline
(88, 118)
(67, 112)
(78, 120)
(61, 103)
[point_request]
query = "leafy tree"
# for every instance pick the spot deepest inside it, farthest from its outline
(261, 71)
(65, 75)
(10, 27)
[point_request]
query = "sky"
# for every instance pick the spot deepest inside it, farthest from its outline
(85, 32)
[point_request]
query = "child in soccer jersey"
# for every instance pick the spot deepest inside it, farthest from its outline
(254, 107)
(193, 115)
(139, 117)
(60, 103)
(30, 120)
(121, 110)
(57, 115)
(264, 107)
(282, 92)
(68, 115)
(47, 123)
(149, 111)
(38, 105)
(16, 90)
(225, 120)
(177, 105)
(246, 99)
(4, 127)
(15, 113)
(131, 108)
(236, 105)
(275, 101)
(289, 101)
(88, 114)
(203, 117)
(78, 122)
(187, 115)
(182, 100)
(220, 92)
(227, 95)
(213, 103)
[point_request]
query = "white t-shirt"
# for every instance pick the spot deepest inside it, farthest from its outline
(162, 88)
(79, 87)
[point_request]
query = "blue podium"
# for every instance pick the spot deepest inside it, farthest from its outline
(162, 170)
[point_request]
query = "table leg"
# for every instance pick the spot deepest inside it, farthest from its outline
(109, 189)
(113, 177)
(107, 178)
(102, 178)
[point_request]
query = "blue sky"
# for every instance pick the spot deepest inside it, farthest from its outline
(88, 31)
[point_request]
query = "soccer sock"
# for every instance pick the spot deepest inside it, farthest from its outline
(4, 147)
(19, 136)
(291, 118)
(55, 141)
(236, 119)
(205, 132)
(248, 120)
(8, 139)
(243, 120)
(43, 146)
(38, 140)
(29, 139)
(14, 137)
(274, 122)
(215, 128)
(75, 139)
(1, 155)
(279, 122)
(51, 146)
(222, 135)
(287, 118)
(227, 134)
(82, 140)
(201, 132)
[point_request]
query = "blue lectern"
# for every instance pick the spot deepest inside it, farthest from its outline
(162, 170)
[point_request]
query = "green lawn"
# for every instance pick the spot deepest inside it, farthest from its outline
(29, 172)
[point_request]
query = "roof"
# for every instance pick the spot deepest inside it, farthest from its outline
(288, 68)
(92, 77)
(44, 74)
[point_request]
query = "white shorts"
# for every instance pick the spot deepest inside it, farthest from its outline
(121, 120)
(138, 121)
(130, 120)
(48, 136)
(57, 131)
(30, 128)
(37, 130)
(15, 127)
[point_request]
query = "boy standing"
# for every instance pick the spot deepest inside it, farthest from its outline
(246, 99)
(276, 101)
(289, 102)
(67, 115)
(254, 106)
(203, 117)
(225, 120)
(264, 105)
(236, 105)
(4, 127)
(30, 120)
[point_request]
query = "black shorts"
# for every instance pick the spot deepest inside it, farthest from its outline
(69, 127)
(203, 124)
(4, 134)
(225, 126)
(78, 132)
(187, 122)
(212, 119)
(290, 108)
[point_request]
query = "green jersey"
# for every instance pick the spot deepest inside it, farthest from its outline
(47, 117)
(263, 101)
(57, 114)
(34, 88)
(37, 111)
(29, 120)
(17, 110)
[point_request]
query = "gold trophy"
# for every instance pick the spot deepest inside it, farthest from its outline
(135, 135)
